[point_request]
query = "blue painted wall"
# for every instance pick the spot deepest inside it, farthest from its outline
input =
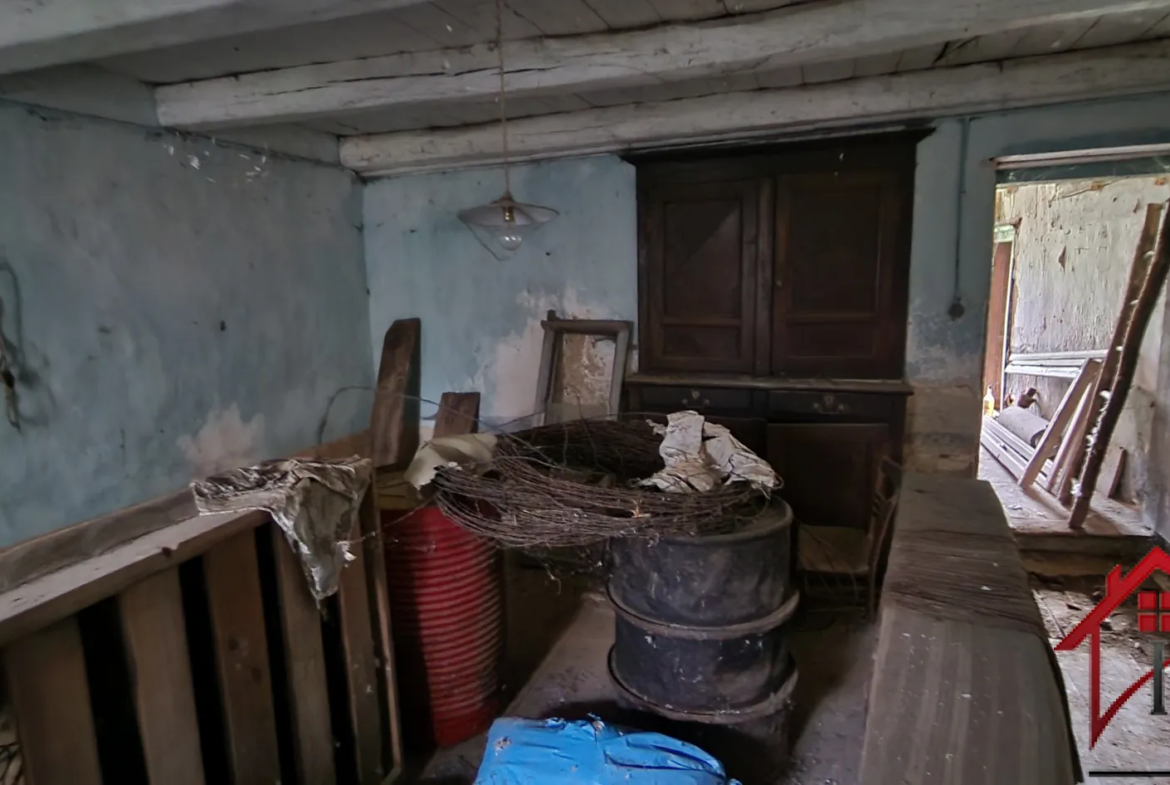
(172, 307)
(481, 315)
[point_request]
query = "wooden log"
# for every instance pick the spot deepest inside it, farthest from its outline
(241, 658)
(394, 421)
(808, 34)
(727, 116)
(1023, 423)
(50, 697)
(155, 634)
(1143, 310)
(304, 657)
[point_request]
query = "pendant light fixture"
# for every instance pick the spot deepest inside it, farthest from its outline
(505, 219)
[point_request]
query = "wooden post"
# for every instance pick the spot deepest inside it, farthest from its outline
(394, 420)
(394, 425)
(1143, 309)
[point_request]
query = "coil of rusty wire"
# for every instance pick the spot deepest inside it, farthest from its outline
(573, 484)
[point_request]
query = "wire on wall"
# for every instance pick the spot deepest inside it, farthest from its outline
(8, 377)
(957, 309)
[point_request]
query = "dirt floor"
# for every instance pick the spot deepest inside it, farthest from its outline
(833, 652)
(1134, 740)
(1035, 511)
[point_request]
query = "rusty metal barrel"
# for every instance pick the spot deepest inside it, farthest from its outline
(702, 622)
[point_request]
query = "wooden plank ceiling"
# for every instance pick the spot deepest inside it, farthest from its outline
(385, 69)
(444, 24)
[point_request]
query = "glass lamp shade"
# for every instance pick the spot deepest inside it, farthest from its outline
(507, 220)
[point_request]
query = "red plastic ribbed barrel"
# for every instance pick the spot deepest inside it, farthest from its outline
(447, 604)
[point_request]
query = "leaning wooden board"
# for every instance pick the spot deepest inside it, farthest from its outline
(957, 699)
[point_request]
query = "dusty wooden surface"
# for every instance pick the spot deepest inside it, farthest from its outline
(955, 699)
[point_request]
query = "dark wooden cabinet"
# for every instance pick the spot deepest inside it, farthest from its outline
(773, 298)
(834, 303)
(700, 281)
(792, 264)
(829, 470)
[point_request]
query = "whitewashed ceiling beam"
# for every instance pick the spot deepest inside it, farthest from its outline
(926, 94)
(39, 33)
(801, 35)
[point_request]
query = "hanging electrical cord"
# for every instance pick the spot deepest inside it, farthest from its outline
(503, 94)
(957, 309)
(8, 377)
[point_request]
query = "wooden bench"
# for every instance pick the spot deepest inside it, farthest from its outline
(965, 686)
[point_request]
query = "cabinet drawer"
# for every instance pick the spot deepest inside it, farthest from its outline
(701, 399)
(831, 404)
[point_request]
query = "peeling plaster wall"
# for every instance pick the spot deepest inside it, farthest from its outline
(954, 205)
(1073, 252)
(481, 315)
(173, 308)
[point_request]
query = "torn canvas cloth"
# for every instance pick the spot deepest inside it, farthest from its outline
(700, 456)
(315, 503)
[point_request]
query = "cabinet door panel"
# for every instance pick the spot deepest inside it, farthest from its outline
(829, 470)
(834, 304)
(699, 243)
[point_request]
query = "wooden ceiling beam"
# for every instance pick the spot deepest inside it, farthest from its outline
(926, 94)
(39, 34)
(799, 35)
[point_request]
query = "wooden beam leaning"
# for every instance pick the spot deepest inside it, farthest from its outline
(799, 35)
(394, 425)
(1143, 309)
(1029, 81)
(1082, 385)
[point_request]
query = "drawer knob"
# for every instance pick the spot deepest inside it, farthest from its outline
(829, 405)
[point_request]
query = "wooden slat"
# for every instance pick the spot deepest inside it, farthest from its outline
(50, 696)
(1050, 443)
(1112, 471)
(43, 601)
(375, 559)
(155, 634)
(1047, 371)
(396, 397)
(241, 653)
(1060, 478)
(304, 658)
(361, 669)
(567, 17)
(458, 414)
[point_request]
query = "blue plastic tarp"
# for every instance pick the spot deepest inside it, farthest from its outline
(557, 752)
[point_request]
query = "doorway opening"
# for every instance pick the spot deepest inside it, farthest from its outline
(1065, 240)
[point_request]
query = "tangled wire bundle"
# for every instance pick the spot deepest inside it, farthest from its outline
(574, 483)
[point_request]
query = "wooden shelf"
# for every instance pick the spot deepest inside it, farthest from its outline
(744, 381)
